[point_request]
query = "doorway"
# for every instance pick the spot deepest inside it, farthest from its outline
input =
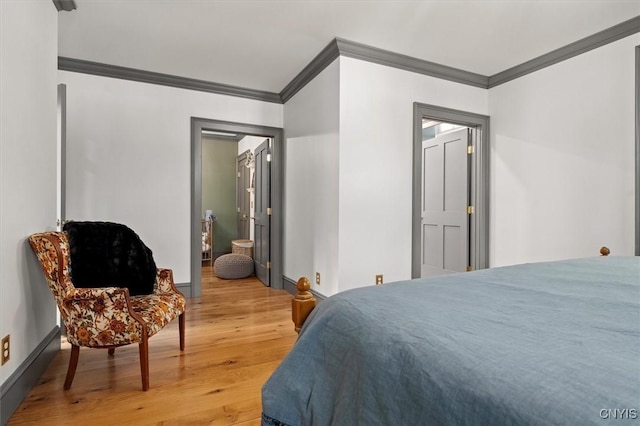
(445, 201)
(459, 240)
(198, 125)
(219, 227)
(236, 199)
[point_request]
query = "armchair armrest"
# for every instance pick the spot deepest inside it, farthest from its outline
(164, 281)
(89, 294)
(100, 317)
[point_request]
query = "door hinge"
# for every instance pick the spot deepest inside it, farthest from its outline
(470, 149)
(269, 265)
(469, 209)
(268, 158)
(469, 268)
(268, 211)
(238, 174)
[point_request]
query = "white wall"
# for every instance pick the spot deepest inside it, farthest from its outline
(128, 156)
(562, 159)
(376, 139)
(28, 80)
(311, 119)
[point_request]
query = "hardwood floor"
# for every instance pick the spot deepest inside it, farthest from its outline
(236, 335)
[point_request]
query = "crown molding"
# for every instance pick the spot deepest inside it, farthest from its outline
(113, 71)
(65, 5)
(586, 44)
(408, 63)
(340, 47)
(315, 67)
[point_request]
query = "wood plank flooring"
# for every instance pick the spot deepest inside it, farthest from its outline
(236, 335)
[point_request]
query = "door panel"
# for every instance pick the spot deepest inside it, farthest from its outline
(429, 245)
(453, 248)
(262, 230)
(445, 197)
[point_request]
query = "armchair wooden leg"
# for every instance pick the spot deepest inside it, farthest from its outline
(73, 364)
(144, 362)
(181, 321)
(111, 351)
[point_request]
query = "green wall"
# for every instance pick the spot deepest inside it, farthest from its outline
(219, 189)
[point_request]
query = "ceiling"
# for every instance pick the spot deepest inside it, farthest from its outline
(264, 44)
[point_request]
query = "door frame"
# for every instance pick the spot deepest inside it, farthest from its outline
(61, 152)
(277, 166)
(637, 152)
(479, 224)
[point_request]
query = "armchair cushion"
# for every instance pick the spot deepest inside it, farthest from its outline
(106, 254)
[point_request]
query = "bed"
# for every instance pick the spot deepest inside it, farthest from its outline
(552, 343)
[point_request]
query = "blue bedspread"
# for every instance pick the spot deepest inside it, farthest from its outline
(555, 343)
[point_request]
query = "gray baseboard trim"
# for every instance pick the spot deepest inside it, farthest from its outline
(185, 289)
(15, 389)
(290, 286)
(586, 44)
(113, 71)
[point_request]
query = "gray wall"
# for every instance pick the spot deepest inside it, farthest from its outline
(219, 189)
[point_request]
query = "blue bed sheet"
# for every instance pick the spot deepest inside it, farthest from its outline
(554, 343)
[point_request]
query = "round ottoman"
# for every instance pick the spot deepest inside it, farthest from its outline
(233, 266)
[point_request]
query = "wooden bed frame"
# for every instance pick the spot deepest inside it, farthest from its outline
(303, 303)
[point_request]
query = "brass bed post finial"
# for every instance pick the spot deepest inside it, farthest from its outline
(605, 251)
(302, 304)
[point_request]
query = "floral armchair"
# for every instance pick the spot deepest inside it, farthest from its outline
(106, 317)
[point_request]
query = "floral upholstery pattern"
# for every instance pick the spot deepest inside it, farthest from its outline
(99, 317)
(106, 317)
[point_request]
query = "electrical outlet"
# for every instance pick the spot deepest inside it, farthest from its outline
(5, 350)
(318, 278)
(378, 279)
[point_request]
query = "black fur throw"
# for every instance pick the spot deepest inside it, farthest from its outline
(105, 254)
